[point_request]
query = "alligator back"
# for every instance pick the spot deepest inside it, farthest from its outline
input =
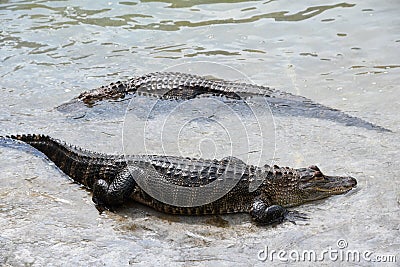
(182, 86)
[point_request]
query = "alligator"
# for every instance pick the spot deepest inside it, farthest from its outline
(182, 86)
(114, 179)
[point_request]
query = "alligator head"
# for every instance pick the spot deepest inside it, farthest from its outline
(298, 186)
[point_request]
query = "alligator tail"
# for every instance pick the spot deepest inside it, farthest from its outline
(82, 166)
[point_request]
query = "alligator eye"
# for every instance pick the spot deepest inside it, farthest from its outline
(318, 175)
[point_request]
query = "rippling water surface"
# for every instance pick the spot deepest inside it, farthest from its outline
(341, 54)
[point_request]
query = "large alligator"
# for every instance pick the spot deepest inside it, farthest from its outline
(181, 86)
(114, 179)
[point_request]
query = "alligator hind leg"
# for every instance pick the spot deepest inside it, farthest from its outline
(106, 195)
(264, 214)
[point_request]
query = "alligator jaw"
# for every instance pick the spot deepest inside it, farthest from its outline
(326, 186)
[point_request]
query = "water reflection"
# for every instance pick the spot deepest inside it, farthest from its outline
(185, 3)
(277, 16)
(52, 16)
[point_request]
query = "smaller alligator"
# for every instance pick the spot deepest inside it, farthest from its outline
(182, 86)
(115, 178)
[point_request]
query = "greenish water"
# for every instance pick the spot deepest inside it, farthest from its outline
(341, 54)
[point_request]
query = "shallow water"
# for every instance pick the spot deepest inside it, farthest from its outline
(343, 55)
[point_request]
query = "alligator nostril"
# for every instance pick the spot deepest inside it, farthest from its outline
(353, 181)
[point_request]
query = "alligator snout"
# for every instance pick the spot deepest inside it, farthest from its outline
(352, 182)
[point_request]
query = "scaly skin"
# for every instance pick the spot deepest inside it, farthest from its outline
(181, 86)
(113, 179)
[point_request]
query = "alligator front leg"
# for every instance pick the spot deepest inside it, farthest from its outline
(264, 214)
(274, 214)
(106, 195)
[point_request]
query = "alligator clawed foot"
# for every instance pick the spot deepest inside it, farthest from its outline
(101, 206)
(100, 196)
(293, 216)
